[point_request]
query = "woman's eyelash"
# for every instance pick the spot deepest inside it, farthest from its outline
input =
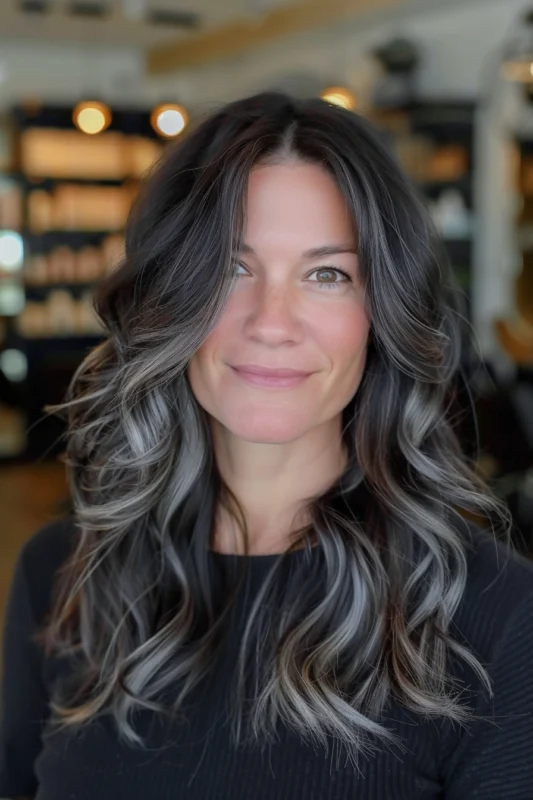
(319, 269)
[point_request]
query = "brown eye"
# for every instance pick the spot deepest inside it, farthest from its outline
(331, 270)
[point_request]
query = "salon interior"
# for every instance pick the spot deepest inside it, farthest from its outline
(93, 91)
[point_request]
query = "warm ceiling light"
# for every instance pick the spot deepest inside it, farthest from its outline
(339, 96)
(91, 117)
(169, 119)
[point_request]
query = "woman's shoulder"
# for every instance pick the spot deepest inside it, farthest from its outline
(496, 567)
(491, 559)
(498, 598)
(42, 554)
(51, 543)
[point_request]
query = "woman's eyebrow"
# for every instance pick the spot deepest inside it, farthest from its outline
(314, 252)
(329, 250)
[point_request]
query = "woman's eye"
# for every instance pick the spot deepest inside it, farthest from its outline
(328, 284)
(328, 271)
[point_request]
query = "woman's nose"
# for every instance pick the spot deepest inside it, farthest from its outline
(274, 314)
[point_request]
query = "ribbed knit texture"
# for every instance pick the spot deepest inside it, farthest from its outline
(491, 759)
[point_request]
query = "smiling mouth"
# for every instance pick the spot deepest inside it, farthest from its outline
(271, 379)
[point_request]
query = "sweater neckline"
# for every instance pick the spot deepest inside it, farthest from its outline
(262, 559)
(258, 566)
(260, 563)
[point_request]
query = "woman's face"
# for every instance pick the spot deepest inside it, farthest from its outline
(290, 309)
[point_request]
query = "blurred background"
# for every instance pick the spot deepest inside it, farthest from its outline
(91, 93)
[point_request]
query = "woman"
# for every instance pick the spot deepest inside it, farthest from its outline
(268, 587)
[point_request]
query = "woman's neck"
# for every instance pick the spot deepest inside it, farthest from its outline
(227, 537)
(273, 498)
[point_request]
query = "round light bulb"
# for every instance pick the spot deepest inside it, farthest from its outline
(169, 120)
(91, 117)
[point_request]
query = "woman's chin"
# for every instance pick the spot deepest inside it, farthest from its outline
(275, 431)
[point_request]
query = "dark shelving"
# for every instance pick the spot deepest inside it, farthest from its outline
(49, 183)
(42, 243)
(53, 359)
(36, 291)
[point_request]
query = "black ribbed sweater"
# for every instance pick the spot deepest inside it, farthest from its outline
(492, 759)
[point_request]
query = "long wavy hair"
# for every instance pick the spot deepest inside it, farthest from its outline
(135, 603)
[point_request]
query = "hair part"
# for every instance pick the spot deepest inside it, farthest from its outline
(136, 604)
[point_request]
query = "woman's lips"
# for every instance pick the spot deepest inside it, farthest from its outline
(258, 378)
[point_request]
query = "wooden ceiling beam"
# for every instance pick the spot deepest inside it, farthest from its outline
(237, 37)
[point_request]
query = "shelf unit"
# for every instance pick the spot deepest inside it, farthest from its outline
(71, 256)
(435, 143)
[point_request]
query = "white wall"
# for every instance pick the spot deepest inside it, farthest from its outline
(59, 73)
